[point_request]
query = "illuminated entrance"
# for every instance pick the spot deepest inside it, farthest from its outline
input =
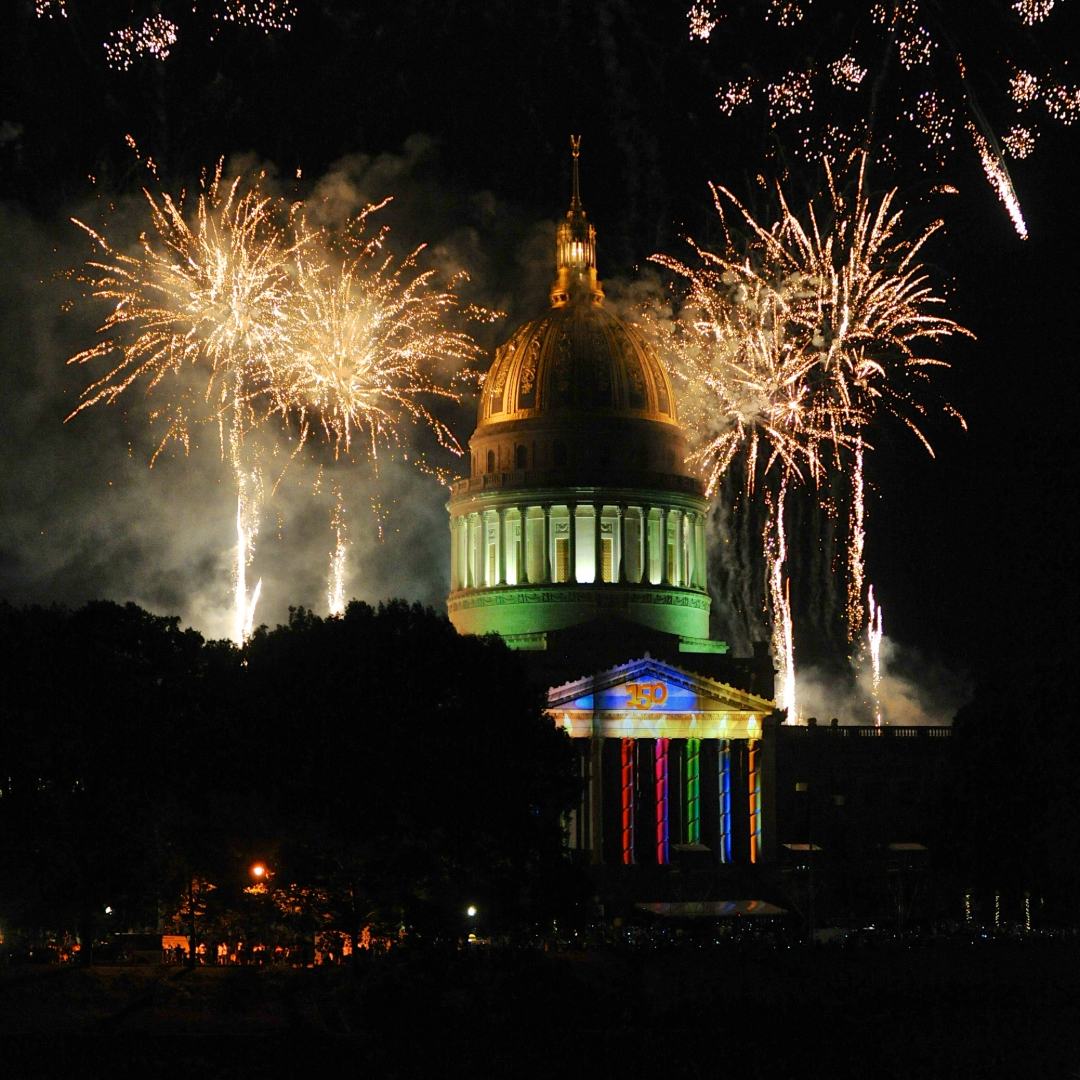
(672, 761)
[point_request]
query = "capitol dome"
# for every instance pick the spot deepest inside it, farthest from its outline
(579, 358)
(579, 502)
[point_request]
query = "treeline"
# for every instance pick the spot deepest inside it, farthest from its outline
(385, 770)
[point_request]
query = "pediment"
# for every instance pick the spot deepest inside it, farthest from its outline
(649, 698)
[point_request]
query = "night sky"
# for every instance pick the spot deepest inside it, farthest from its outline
(463, 112)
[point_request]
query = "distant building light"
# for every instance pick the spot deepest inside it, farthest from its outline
(802, 785)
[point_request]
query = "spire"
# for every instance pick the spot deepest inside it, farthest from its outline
(575, 255)
(575, 149)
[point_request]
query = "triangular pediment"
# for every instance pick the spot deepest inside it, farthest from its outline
(652, 698)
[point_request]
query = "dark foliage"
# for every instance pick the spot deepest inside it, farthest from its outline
(379, 762)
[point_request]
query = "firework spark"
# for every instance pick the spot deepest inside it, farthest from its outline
(1020, 141)
(846, 72)
(154, 37)
(702, 22)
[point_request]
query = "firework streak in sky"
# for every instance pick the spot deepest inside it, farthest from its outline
(787, 345)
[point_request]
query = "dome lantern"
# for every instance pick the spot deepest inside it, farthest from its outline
(575, 249)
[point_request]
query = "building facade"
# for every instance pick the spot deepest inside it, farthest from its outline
(580, 537)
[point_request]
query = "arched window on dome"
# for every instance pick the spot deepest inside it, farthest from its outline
(491, 461)
(522, 456)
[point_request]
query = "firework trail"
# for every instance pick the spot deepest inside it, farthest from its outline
(783, 643)
(900, 83)
(874, 634)
(788, 343)
(856, 546)
(335, 593)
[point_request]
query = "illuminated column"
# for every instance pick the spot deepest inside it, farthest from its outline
(693, 791)
(545, 534)
(725, 800)
(646, 546)
(665, 577)
(679, 554)
(627, 779)
(702, 564)
(463, 551)
(598, 544)
(453, 555)
(663, 846)
(474, 538)
(618, 539)
(572, 575)
(754, 778)
(500, 548)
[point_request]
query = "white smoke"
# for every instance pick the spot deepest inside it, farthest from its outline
(914, 690)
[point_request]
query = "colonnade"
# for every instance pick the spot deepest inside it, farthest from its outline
(578, 542)
(642, 796)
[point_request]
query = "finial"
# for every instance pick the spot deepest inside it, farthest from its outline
(575, 149)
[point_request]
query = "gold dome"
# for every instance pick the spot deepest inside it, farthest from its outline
(577, 358)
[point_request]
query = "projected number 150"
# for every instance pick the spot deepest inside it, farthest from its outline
(645, 695)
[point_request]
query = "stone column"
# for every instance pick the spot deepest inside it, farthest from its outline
(665, 577)
(453, 555)
(522, 548)
(500, 547)
(598, 546)
(596, 800)
(703, 566)
(572, 576)
(545, 545)
(619, 536)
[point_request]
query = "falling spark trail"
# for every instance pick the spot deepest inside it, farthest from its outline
(783, 646)
(336, 586)
(856, 548)
(999, 178)
(874, 635)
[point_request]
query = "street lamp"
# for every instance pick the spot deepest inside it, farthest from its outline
(471, 911)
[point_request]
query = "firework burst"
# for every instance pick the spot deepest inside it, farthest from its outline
(787, 345)
(367, 342)
(247, 315)
(196, 318)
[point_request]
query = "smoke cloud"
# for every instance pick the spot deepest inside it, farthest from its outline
(914, 690)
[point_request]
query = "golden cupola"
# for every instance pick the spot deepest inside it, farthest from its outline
(579, 497)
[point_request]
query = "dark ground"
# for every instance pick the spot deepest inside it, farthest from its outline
(991, 1009)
